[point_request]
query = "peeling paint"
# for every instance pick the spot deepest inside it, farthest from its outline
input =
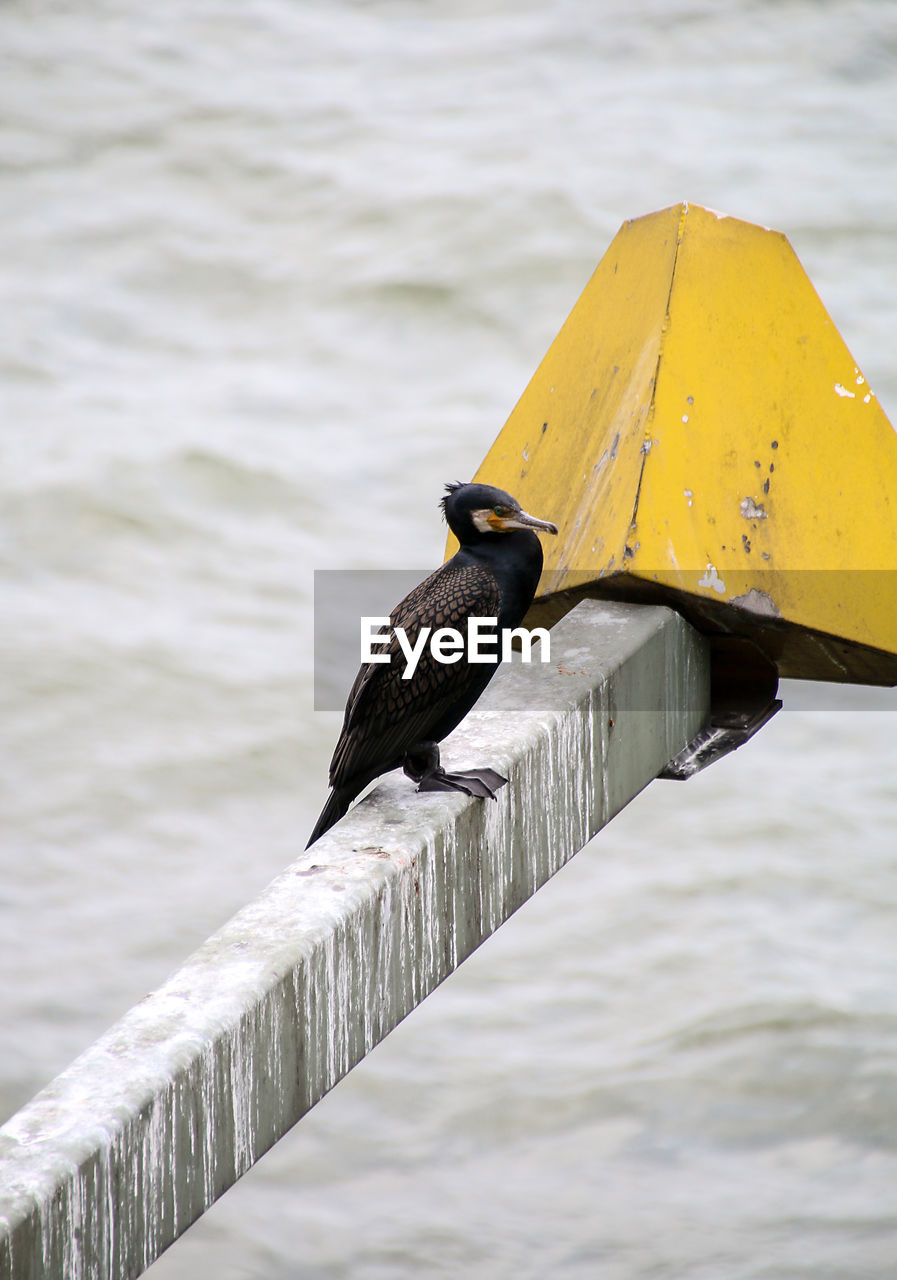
(711, 581)
(752, 511)
(757, 602)
(773, 370)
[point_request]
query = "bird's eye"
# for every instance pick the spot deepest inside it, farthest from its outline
(498, 510)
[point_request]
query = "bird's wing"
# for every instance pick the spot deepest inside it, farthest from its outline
(385, 714)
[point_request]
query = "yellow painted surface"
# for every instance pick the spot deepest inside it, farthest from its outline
(698, 423)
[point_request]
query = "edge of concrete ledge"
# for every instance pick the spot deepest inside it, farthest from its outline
(115, 1158)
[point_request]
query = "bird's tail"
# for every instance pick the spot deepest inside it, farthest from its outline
(337, 803)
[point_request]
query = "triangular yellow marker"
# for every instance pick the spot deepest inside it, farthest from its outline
(702, 436)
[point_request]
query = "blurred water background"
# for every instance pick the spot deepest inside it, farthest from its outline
(271, 273)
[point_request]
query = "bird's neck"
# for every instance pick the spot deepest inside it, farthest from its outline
(515, 559)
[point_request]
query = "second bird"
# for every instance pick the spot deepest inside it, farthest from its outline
(390, 721)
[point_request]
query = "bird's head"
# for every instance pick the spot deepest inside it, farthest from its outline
(476, 510)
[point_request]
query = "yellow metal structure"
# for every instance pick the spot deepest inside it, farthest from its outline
(701, 435)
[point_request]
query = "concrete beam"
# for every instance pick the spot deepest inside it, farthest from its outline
(127, 1147)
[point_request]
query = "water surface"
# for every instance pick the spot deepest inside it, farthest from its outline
(271, 275)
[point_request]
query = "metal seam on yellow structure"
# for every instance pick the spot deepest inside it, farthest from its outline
(697, 433)
(649, 420)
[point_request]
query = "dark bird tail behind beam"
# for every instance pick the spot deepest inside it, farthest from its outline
(391, 721)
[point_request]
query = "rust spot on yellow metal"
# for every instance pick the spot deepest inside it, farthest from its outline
(700, 433)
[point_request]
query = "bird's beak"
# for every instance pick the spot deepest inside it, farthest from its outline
(520, 520)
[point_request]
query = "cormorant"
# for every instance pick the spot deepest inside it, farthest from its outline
(390, 721)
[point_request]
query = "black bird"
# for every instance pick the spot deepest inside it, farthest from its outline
(390, 721)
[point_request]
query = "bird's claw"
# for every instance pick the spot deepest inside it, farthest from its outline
(473, 782)
(422, 766)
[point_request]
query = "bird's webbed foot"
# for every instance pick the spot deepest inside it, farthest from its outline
(421, 765)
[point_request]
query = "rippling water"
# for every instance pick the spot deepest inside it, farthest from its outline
(272, 273)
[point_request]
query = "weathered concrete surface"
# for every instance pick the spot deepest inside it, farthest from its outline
(120, 1153)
